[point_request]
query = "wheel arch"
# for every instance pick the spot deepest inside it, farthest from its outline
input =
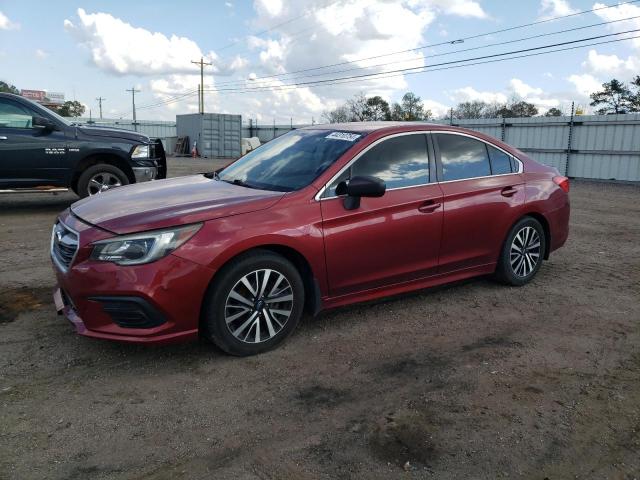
(97, 158)
(547, 231)
(312, 294)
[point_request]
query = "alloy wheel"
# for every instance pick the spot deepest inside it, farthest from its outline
(103, 181)
(524, 253)
(258, 306)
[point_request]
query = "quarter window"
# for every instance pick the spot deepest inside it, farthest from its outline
(13, 116)
(500, 161)
(463, 157)
(400, 161)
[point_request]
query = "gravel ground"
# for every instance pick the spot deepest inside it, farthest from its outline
(475, 380)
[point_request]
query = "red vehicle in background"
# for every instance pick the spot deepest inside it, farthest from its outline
(321, 217)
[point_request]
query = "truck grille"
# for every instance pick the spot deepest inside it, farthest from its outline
(64, 245)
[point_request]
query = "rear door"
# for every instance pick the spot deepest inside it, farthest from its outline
(483, 193)
(391, 239)
(29, 156)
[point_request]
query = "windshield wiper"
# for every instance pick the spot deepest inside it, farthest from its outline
(240, 183)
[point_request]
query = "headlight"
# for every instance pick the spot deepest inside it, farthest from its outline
(142, 247)
(141, 151)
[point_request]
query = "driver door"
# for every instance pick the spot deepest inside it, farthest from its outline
(29, 156)
(391, 239)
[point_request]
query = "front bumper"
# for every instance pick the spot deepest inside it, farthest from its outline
(94, 295)
(144, 174)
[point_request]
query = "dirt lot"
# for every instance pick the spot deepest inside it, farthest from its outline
(475, 380)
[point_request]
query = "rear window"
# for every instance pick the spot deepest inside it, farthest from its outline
(462, 157)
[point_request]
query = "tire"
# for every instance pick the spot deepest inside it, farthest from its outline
(517, 269)
(246, 321)
(99, 178)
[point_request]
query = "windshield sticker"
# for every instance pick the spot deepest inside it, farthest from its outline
(348, 137)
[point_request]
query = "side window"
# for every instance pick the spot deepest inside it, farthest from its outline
(13, 115)
(400, 161)
(463, 157)
(500, 161)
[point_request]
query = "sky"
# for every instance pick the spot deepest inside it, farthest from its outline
(265, 53)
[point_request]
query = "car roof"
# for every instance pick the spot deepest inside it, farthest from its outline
(368, 127)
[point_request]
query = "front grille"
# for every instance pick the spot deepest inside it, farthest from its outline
(64, 245)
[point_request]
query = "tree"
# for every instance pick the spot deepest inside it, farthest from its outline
(615, 97)
(410, 109)
(473, 109)
(377, 109)
(553, 112)
(635, 97)
(339, 115)
(70, 109)
(8, 88)
(358, 108)
(523, 109)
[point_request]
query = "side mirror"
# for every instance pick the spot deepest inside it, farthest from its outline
(361, 186)
(44, 123)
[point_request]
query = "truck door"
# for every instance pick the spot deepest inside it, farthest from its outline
(29, 156)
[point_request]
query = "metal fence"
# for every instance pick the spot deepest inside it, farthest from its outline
(586, 146)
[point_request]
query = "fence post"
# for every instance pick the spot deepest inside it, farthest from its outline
(451, 117)
(503, 130)
(566, 165)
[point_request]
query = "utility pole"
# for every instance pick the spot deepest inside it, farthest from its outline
(202, 63)
(133, 103)
(100, 99)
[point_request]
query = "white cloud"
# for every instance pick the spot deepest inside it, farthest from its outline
(470, 94)
(523, 90)
(555, 8)
(585, 84)
(620, 13)
(6, 24)
(41, 54)
(118, 47)
(612, 65)
(271, 8)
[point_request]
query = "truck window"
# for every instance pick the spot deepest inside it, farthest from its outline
(13, 115)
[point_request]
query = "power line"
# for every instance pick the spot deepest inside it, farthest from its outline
(452, 42)
(385, 74)
(518, 40)
(414, 69)
(186, 94)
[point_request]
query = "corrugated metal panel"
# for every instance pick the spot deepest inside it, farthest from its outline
(218, 135)
(151, 128)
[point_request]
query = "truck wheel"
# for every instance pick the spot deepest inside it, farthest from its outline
(100, 178)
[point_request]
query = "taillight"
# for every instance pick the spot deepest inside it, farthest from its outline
(562, 182)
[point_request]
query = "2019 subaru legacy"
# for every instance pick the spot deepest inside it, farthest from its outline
(318, 218)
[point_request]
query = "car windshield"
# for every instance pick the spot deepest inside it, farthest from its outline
(290, 162)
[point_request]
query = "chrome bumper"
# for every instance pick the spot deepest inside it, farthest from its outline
(144, 174)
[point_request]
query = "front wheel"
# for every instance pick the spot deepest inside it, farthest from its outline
(100, 178)
(254, 304)
(522, 253)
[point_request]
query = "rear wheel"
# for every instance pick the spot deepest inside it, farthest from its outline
(522, 253)
(100, 178)
(254, 304)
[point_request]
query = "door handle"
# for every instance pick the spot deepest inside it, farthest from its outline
(508, 192)
(3, 137)
(429, 206)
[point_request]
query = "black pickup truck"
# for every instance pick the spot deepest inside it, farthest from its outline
(39, 149)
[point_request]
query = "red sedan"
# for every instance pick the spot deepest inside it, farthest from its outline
(321, 217)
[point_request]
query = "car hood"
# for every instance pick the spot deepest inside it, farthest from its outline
(113, 133)
(167, 203)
